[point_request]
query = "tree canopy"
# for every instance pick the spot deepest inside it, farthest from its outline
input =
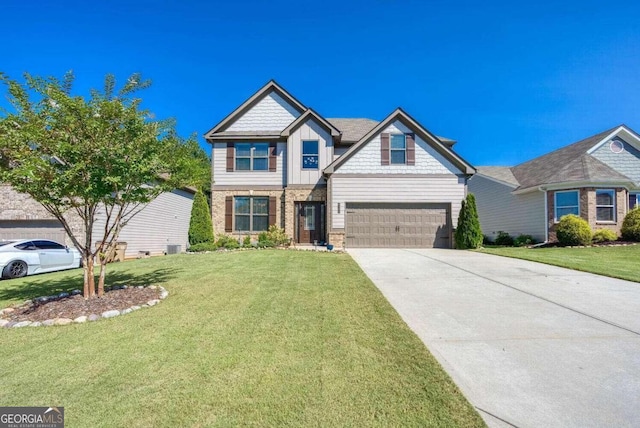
(103, 155)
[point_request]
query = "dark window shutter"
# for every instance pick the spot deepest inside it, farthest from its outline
(230, 157)
(411, 149)
(272, 209)
(272, 157)
(384, 149)
(228, 214)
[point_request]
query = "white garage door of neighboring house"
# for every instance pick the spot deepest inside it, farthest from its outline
(27, 229)
(395, 225)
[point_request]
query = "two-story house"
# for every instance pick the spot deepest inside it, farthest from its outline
(349, 182)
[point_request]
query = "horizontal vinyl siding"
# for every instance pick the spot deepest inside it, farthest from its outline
(394, 189)
(164, 221)
(500, 210)
(367, 159)
(271, 113)
(309, 130)
(247, 178)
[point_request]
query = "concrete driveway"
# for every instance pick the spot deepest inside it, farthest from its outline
(530, 345)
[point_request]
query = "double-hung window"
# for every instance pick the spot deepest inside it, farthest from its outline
(398, 149)
(567, 202)
(251, 213)
(252, 156)
(605, 205)
(310, 154)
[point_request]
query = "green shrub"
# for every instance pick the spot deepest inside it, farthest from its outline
(504, 239)
(228, 242)
(273, 237)
(486, 240)
(200, 227)
(604, 235)
(631, 225)
(523, 240)
(203, 246)
(246, 242)
(468, 234)
(573, 230)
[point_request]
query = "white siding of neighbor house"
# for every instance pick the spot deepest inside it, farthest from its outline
(247, 178)
(310, 130)
(367, 158)
(626, 162)
(442, 189)
(271, 113)
(164, 221)
(500, 210)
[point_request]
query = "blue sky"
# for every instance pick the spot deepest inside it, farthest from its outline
(508, 80)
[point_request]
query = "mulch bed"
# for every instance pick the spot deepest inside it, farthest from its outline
(75, 306)
(600, 244)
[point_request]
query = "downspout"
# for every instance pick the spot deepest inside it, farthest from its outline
(546, 214)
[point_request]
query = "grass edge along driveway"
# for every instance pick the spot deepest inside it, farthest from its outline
(613, 261)
(261, 338)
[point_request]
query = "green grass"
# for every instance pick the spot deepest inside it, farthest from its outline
(258, 338)
(617, 262)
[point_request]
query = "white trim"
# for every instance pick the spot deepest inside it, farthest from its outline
(488, 177)
(612, 135)
(577, 185)
(546, 215)
(614, 206)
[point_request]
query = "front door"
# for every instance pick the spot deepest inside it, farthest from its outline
(310, 222)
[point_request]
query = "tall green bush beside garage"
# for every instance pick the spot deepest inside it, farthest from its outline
(200, 226)
(468, 233)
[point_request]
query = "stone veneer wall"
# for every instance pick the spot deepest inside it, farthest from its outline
(218, 198)
(20, 206)
(588, 210)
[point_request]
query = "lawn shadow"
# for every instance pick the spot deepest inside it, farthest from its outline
(46, 285)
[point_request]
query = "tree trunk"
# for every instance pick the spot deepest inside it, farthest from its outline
(89, 282)
(103, 273)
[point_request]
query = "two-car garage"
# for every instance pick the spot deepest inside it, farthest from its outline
(398, 225)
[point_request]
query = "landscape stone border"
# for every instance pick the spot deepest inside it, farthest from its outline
(81, 319)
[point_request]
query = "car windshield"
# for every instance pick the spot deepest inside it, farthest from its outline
(6, 243)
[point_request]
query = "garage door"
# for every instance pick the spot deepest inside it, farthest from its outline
(392, 225)
(26, 229)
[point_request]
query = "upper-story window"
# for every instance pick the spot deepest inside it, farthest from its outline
(605, 205)
(252, 156)
(310, 154)
(398, 149)
(566, 203)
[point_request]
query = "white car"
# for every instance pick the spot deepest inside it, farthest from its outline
(30, 256)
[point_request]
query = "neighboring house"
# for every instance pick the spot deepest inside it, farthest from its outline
(349, 182)
(597, 178)
(162, 223)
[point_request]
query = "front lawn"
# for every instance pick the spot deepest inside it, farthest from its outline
(261, 338)
(618, 262)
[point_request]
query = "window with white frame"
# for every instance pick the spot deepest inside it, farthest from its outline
(310, 154)
(398, 149)
(634, 200)
(251, 213)
(252, 156)
(567, 202)
(605, 205)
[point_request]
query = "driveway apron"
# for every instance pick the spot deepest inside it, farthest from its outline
(530, 345)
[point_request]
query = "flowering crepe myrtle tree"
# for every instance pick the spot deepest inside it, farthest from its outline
(96, 157)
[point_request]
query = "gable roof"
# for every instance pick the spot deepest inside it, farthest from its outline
(271, 86)
(499, 173)
(353, 129)
(310, 113)
(428, 137)
(571, 163)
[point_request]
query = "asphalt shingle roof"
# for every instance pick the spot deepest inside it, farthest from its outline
(501, 173)
(353, 129)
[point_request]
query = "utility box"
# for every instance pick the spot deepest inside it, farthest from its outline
(174, 249)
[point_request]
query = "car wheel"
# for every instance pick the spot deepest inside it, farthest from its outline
(15, 269)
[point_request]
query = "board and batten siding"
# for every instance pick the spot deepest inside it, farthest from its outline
(437, 189)
(271, 113)
(500, 210)
(164, 221)
(428, 160)
(309, 130)
(247, 178)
